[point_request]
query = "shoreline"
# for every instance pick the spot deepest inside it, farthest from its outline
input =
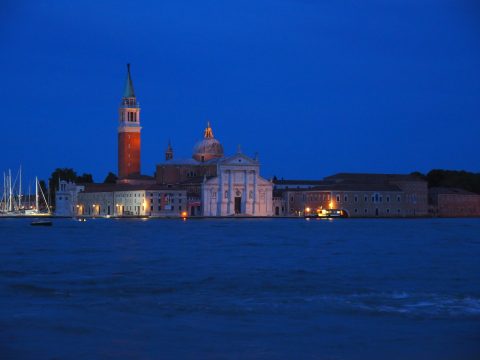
(222, 217)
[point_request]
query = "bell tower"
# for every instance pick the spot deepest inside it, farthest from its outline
(129, 132)
(169, 152)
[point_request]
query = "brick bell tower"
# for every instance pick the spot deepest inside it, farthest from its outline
(129, 132)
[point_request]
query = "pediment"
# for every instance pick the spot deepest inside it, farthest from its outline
(239, 159)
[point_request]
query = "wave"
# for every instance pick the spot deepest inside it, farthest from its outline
(402, 303)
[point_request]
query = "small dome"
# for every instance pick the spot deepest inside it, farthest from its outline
(208, 148)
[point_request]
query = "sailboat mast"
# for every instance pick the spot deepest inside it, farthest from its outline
(20, 190)
(10, 202)
(36, 193)
(4, 197)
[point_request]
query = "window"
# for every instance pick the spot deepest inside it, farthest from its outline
(356, 210)
(151, 207)
(250, 195)
(159, 207)
(388, 211)
(226, 194)
(366, 198)
(355, 199)
(365, 211)
(398, 198)
(345, 198)
(388, 198)
(179, 208)
(338, 198)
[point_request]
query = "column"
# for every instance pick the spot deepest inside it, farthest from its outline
(230, 192)
(220, 193)
(254, 205)
(245, 192)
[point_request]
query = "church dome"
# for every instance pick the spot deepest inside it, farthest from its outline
(208, 148)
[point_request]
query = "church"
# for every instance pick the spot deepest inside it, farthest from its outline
(207, 184)
(223, 185)
(212, 184)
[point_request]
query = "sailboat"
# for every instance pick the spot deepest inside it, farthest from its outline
(36, 211)
(12, 204)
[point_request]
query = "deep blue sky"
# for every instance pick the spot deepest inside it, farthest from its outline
(315, 87)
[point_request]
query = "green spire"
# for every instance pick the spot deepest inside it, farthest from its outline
(129, 92)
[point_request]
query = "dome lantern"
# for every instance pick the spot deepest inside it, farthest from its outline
(208, 148)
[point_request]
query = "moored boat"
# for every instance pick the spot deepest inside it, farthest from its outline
(324, 213)
(41, 223)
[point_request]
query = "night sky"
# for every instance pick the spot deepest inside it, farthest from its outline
(315, 87)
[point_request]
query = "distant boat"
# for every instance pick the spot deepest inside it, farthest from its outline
(324, 213)
(41, 223)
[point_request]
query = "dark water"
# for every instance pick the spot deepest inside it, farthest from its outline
(235, 289)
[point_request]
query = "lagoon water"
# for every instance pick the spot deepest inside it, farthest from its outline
(240, 289)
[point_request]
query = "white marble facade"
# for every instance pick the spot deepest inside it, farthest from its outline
(238, 189)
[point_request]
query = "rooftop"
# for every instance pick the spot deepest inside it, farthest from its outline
(329, 186)
(95, 188)
(373, 178)
(449, 191)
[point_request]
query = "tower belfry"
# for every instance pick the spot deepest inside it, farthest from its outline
(169, 152)
(129, 132)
